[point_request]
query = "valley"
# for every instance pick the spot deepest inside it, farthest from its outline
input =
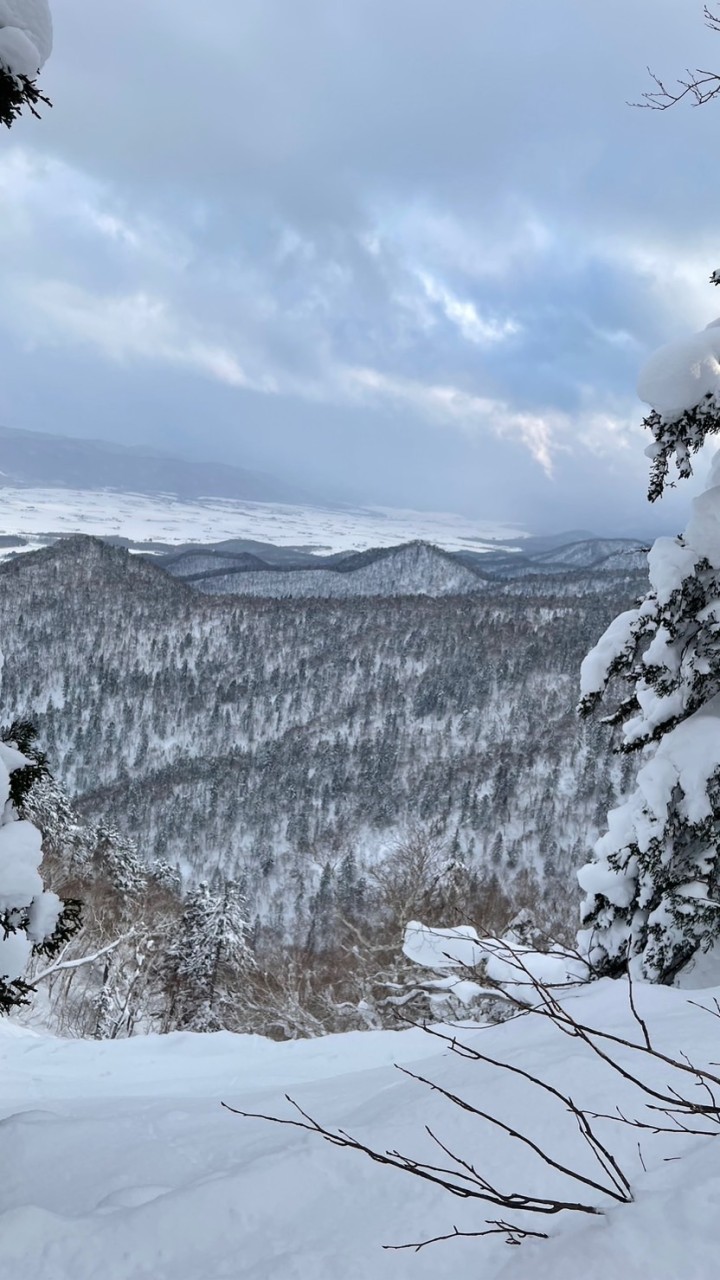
(270, 740)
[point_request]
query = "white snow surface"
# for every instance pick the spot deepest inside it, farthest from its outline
(25, 36)
(681, 373)
(507, 962)
(163, 518)
(20, 857)
(122, 1164)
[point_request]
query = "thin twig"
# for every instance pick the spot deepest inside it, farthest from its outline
(514, 1235)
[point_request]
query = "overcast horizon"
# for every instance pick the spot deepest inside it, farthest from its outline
(403, 254)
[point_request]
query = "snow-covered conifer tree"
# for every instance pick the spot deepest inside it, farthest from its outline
(25, 45)
(213, 940)
(120, 860)
(653, 888)
(32, 919)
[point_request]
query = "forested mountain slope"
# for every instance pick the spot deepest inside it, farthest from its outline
(279, 738)
(414, 569)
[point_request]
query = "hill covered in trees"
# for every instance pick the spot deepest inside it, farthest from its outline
(279, 742)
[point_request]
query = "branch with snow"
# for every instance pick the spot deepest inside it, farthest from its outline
(25, 46)
(515, 970)
(62, 965)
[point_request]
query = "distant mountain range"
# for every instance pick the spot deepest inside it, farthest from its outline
(34, 459)
(228, 530)
(414, 568)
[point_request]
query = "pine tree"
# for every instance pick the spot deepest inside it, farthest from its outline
(653, 888)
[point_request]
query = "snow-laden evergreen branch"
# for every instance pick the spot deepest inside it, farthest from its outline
(653, 886)
(25, 45)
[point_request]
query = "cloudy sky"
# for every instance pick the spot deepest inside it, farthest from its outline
(404, 251)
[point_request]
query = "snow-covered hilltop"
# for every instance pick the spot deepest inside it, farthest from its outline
(414, 569)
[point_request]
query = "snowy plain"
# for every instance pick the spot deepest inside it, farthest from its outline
(30, 513)
(122, 1165)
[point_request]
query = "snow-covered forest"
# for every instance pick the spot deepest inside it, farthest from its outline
(271, 740)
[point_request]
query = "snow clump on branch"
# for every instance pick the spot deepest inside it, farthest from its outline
(25, 36)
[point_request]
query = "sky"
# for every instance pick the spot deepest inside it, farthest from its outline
(407, 252)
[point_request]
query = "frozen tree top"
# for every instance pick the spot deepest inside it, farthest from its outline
(682, 373)
(25, 36)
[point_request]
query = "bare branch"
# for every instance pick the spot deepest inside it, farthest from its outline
(598, 1150)
(633, 1009)
(698, 86)
(668, 1110)
(513, 1235)
(466, 1186)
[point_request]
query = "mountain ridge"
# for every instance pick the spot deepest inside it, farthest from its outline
(35, 459)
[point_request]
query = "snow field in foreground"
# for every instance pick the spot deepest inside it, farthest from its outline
(120, 1163)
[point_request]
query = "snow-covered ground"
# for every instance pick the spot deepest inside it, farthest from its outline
(162, 518)
(119, 1163)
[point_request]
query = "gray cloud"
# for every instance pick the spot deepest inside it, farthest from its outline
(408, 252)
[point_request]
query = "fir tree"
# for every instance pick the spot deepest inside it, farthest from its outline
(653, 888)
